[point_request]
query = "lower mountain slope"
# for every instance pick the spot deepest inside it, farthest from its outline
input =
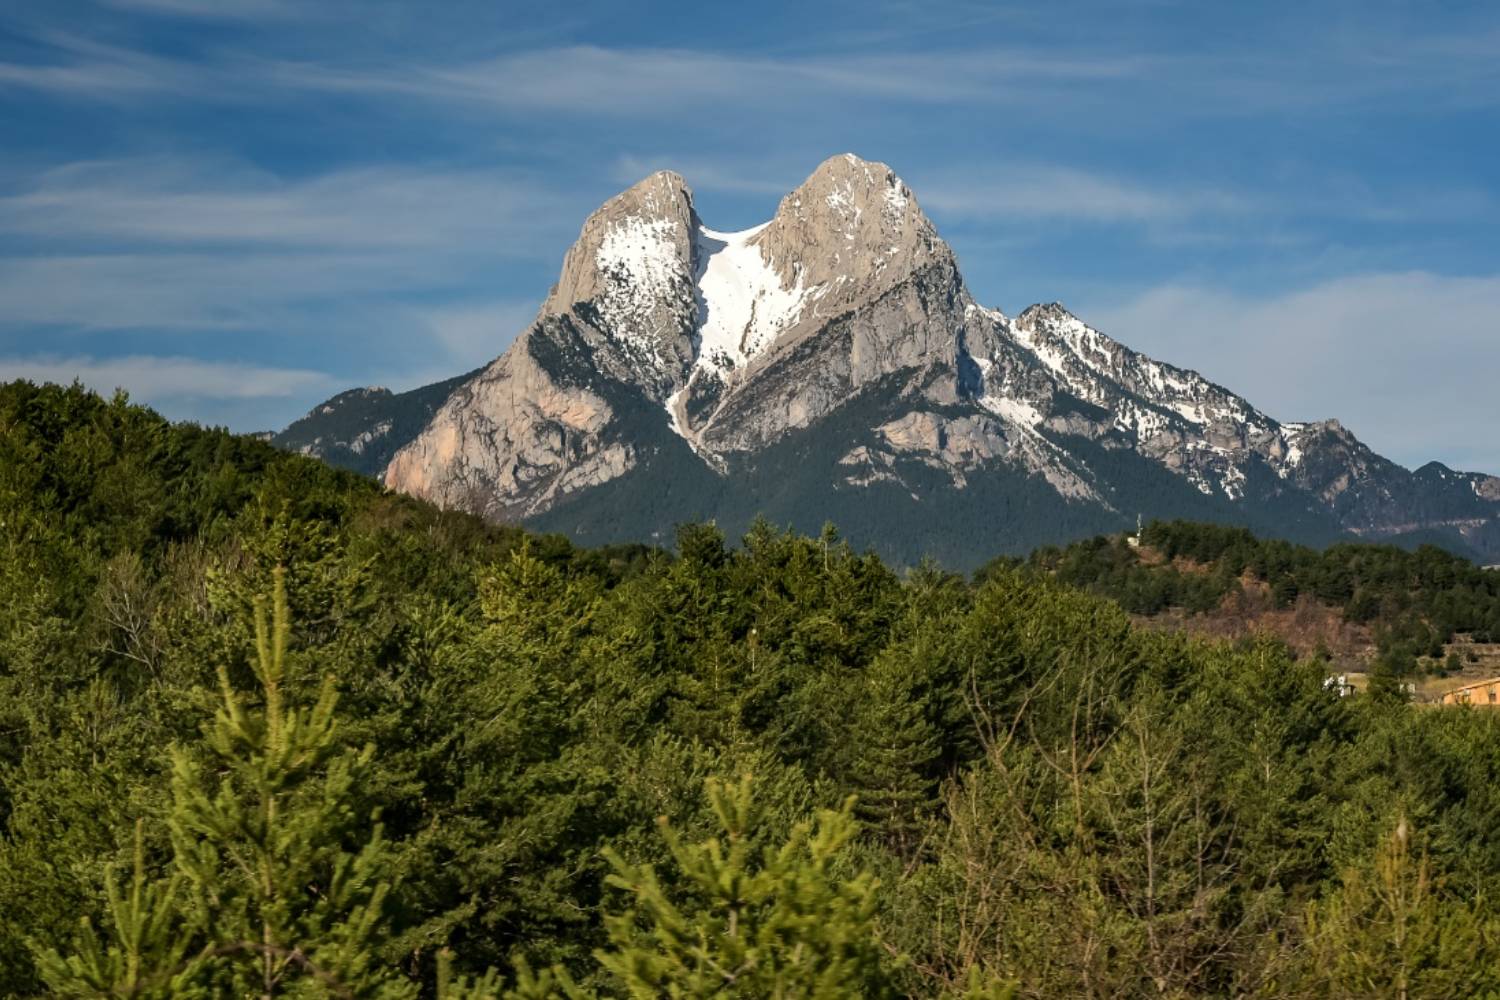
(362, 429)
(911, 510)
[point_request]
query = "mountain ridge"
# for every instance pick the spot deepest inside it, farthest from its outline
(739, 345)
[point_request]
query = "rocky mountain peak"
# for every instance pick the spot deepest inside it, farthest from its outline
(632, 268)
(853, 226)
(1044, 312)
(673, 363)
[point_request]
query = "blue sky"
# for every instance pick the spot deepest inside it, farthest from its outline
(234, 208)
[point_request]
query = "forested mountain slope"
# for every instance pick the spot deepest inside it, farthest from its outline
(1051, 800)
(1413, 610)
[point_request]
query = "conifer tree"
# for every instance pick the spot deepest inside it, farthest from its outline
(264, 899)
(1389, 930)
(287, 906)
(893, 748)
(781, 926)
(149, 953)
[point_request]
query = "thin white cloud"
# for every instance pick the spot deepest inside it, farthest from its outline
(1407, 361)
(475, 333)
(232, 10)
(186, 292)
(190, 201)
(178, 244)
(1108, 79)
(164, 379)
(577, 79)
(83, 68)
(1060, 192)
(595, 80)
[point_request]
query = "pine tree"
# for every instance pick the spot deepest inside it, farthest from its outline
(289, 909)
(893, 748)
(149, 954)
(264, 898)
(1391, 931)
(781, 926)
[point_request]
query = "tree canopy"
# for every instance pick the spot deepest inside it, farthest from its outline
(266, 729)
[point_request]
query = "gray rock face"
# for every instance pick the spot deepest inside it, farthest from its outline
(631, 275)
(873, 291)
(734, 341)
(511, 441)
(361, 429)
(853, 228)
(522, 434)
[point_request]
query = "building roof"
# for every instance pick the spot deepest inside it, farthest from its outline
(1490, 682)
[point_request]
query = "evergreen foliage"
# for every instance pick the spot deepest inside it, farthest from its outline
(1390, 929)
(782, 926)
(437, 767)
(1415, 600)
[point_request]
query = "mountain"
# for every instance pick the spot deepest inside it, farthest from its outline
(831, 365)
(361, 429)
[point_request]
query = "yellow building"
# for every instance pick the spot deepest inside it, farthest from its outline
(1478, 693)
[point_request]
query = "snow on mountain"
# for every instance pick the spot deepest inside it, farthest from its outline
(847, 301)
(742, 302)
(641, 261)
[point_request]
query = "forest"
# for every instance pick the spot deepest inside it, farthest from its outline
(268, 730)
(1415, 601)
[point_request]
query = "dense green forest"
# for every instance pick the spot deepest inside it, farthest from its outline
(266, 730)
(1415, 600)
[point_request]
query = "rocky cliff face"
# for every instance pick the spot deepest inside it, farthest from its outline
(842, 329)
(533, 426)
(361, 429)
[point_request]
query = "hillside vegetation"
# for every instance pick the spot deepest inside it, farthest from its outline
(1412, 605)
(268, 730)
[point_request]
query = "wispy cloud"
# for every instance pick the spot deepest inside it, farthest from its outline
(595, 80)
(78, 67)
(1061, 192)
(167, 378)
(1394, 356)
(471, 333)
(187, 292)
(212, 9)
(349, 272)
(185, 244)
(174, 200)
(1109, 79)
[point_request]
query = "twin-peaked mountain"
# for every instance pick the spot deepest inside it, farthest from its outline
(830, 365)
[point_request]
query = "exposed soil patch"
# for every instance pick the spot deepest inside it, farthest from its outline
(1307, 626)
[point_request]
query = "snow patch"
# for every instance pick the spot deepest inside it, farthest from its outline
(896, 198)
(742, 304)
(993, 315)
(1234, 482)
(1046, 353)
(1192, 412)
(640, 257)
(672, 418)
(1015, 411)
